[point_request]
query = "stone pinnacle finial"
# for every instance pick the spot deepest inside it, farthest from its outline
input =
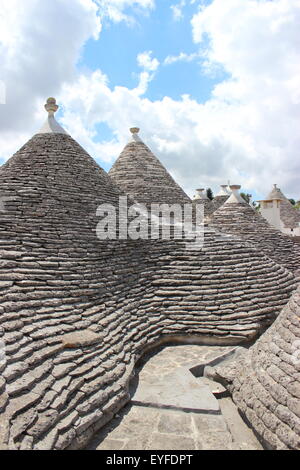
(235, 196)
(51, 107)
(51, 126)
(134, 130)
(201, 194)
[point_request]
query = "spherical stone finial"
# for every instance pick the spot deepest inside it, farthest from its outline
(51, 107)
(134, 130)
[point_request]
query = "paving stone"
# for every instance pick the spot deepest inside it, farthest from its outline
(175, 423)
(112, 444)
(168, 442)
(178, 390)
(206, 423)
(216, 441)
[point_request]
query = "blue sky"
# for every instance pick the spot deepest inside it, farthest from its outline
(215, 96)
(116, 51)
(119, 44)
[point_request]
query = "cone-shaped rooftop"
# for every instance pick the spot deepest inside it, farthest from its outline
(223, 191)
(239, 218)
(265, 382)
(139, 173)
(222, 196)
(288, 214)
(202, 198)
(200, 195)
(77, 311)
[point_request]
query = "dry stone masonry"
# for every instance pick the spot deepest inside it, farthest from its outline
(76, 312)
(236, 217)
(220, 199)
(140, 174)
(265, 382)
(201, 198)
(288, 214)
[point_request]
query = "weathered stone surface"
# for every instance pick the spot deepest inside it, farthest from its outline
(179, 389)
(266, 393)
(22, 422)
(288, 214)
(27, 443)
(45, 420)
(80, 338)
(163, 442)
(139, 173)
(14, 370)
(108, 299)
(175, 423)
(242, 220)
(4, 398)
(4, 432)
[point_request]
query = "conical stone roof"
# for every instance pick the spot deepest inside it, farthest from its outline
(238, 218)
(140, 174)
(265, 382)
(77, 312)
(288, 214)
(217, 202)
(211, 206)
(202, 199)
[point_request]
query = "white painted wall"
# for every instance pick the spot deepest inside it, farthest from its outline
(270, 210)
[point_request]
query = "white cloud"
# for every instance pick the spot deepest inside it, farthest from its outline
(146, 62)
(149, 66)
(247, 132)
(182, 57)
(257, 44)
(39, 49)
(40, 45)
(115, 9)
(2, 92)
(177, 10)
(180, 132)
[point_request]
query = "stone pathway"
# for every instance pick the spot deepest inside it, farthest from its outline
(171, 409)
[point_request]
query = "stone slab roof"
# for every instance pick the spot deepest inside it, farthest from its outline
(265, 382)
(77, 312)
(139, 173)
(211, 206)
(217, 202)
(240, 219)
(288, 214)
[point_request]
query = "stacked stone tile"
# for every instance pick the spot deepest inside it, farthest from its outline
(202, 199)
(77, 312)
(211, 206)
(238, 218)
(140, 174)
(220, 199)
(265, 382)
(288, 214)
